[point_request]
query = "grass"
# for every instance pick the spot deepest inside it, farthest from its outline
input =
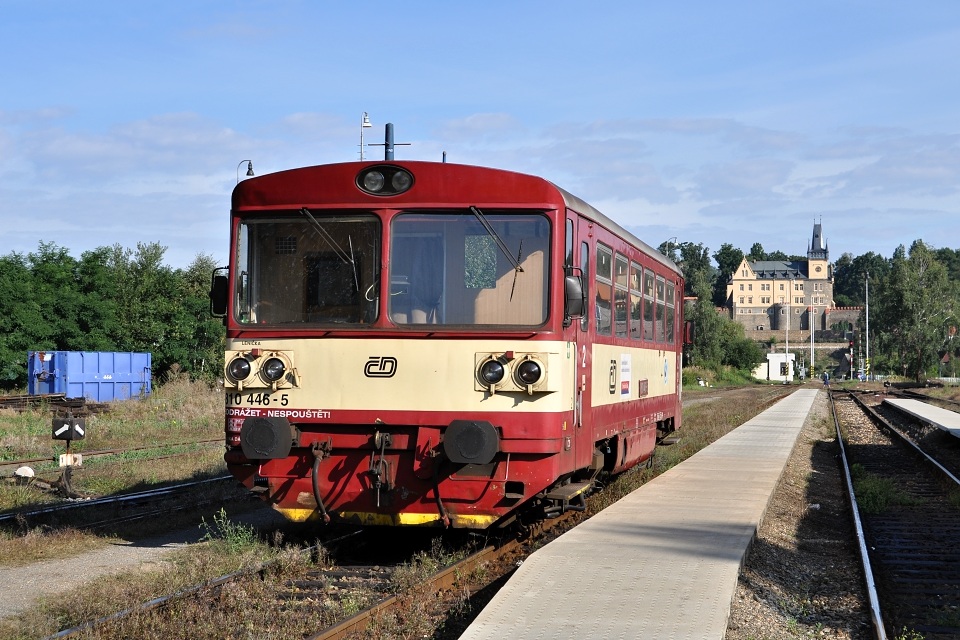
(876, 494)
(227, 536)
(177, 412)
(243, 607)
(247, 608)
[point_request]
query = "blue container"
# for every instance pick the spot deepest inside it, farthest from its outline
(100, 376)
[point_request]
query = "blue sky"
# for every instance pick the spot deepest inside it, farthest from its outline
(712, 122)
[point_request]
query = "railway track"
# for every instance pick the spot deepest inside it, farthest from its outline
(55, 402)
(946, 403)
(910, 520)
(322, 602)
(55, 501)
(48, 463)
(99, 513)
(317, 589)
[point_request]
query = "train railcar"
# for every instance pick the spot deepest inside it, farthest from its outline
(419, 343)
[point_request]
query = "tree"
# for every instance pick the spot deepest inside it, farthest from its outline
(740, 352)
(707, 348)
(918, 303)
(728, 259)
(695, 262)
(23, 321)
(112, 299)
(55, 289)
(757, 253)
(205, 358)
(850, 277)
(669, 249)
(157, 308)
(98, 314)
(950, 258)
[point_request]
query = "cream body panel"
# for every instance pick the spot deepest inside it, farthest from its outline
(618, 373)
(400, 375)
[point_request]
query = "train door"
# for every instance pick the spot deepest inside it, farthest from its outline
(578, 252)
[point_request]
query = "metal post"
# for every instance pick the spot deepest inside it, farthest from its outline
(786, 357)
(364, 124)
(388, 142)
(869, 371)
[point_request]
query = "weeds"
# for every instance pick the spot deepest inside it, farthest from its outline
(875, 494)
(177, 412)
(954, 497)
(228, 536)
(244, 608)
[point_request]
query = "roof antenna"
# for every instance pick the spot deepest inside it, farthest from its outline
(388, 143)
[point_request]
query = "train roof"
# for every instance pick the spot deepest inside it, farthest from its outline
(577, 204)
(262, 190)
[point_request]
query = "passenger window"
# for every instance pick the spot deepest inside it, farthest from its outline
(604, 298)
(636, 305)
(661, 309)
(648, 305)
(620, 296)
(585, 265)
(671, 312)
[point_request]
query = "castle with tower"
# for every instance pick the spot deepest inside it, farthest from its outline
(767, 296)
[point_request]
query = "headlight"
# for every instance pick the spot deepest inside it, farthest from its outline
(528, 372)
(384, 180)
(373, 181)
(491, 372)
(273, 369)
(401, 181)
(239, 368)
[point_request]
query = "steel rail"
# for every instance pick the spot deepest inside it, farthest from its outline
(163, 601)
(878, 419)
(910, 393)
(447, 577)
(442, 580)
(107, 452)
(875, 614)
(127, 497)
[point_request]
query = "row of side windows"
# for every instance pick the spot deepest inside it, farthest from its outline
(631, 301)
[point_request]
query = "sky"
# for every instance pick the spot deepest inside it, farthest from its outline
(691, 121)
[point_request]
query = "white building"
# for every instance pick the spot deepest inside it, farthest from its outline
(776, 368)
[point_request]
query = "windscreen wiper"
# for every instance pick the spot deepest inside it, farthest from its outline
(496, 238)
(347, 258)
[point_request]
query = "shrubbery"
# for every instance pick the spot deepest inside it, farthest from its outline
(111, 299)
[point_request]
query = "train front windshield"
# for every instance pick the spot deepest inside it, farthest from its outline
(457, 268)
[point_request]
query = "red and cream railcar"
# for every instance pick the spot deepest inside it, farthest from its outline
(415, 343)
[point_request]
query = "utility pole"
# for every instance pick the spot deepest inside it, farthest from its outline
(786, 357)
(867, 286)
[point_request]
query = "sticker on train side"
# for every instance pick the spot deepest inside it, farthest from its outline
(257, 399)
(248, 412)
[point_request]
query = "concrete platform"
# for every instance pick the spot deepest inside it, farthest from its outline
(940, 418)
(662, 562)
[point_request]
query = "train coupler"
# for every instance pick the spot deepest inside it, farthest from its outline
(379, 465)
(320, 450)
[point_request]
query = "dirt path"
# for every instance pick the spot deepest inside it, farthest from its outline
(24, 587)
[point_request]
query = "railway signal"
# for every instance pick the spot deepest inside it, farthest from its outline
(69, 429)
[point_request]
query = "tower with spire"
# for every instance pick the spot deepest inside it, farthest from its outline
(773, 295)
(818, 255)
